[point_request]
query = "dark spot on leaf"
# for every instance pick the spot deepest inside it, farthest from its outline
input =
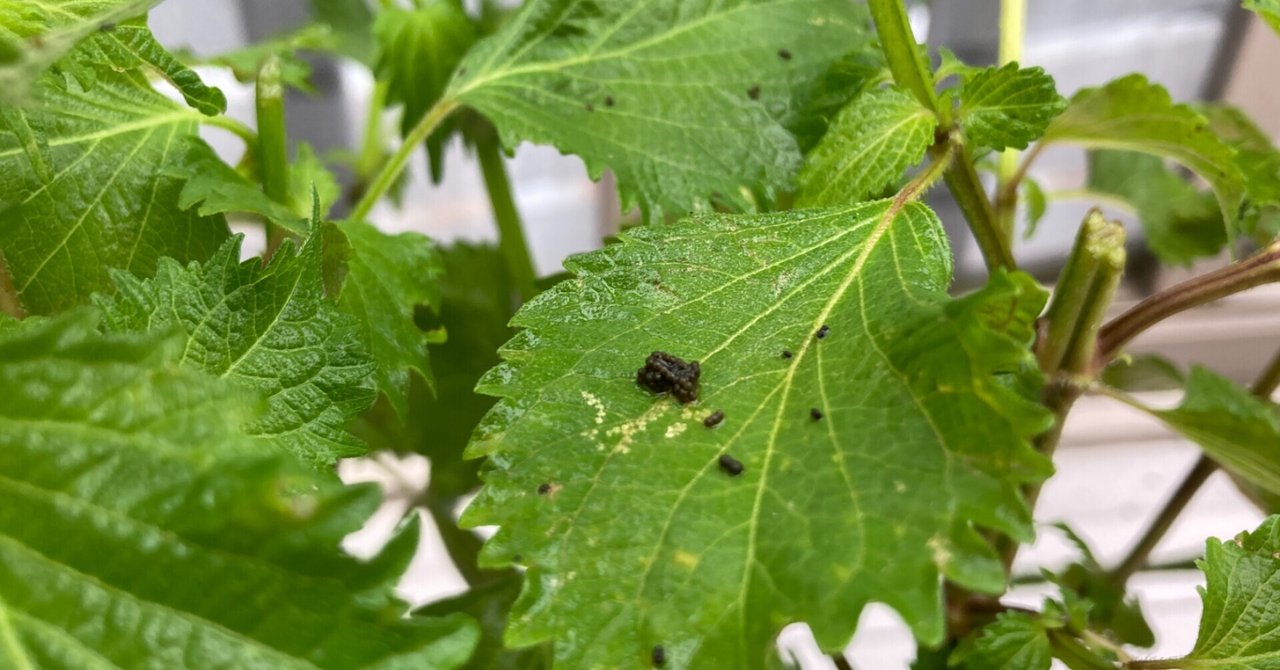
(784, 54)
(659, 656)
(786, 353)
(822, 332)
(544, 488)
(462, 71)
(608, 101)
(107, 27)
(590, 107)
(754, 92)
(517, 558)
(663, 373)
(730, 465)
(713, 419)
(815, 414)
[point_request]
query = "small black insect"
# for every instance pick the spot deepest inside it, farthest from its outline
(815, 414)
(608, 101)
(822, 332)
(754, 92)
(730, 465)
(786, 353)
(544, 488)
(659, 656)
(664, 373)
(713, 419)
(784, 54)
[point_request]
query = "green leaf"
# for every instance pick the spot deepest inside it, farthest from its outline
(295, 70)
(868, 146)
(1269, 10)
(1238, 629)
(858, 71)
(213, 187)
(352, 24)
(269, 328)
(1146, 372)
(1007, 107)
(86, 184)
(309, 177)
(1179, 223)
(1035, 203)
(34, 35)
(1134, 114)
(1237, 429)
(921, 438)
(1015, 641)
(1089, 592)
(387, 276)
(640, 90)
(489, 605)
(418, 51)
(1259, 162)
(140, 528)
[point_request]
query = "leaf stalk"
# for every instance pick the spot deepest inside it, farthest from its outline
(273, 143)
(511, 238)
(391, 169)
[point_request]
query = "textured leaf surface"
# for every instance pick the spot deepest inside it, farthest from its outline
(681, 99)
(213, 187)
(1259, 162)
(868, 146)
(87, 184)
(1238, 629)
(140, 528)
(269, 328)
(1016, 641)
(35, 34)
(1179, 223)
(352, 24)
(1239, 430)
(1269, 10)
(1008, 106)
(916, 441)
(1134, 114)
(387, 277)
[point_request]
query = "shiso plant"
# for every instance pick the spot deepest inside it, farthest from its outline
(763, 403)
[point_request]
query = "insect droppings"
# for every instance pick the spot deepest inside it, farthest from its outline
(713, 419)
(786, 353)
(784, 54)
(822, 332)
(730, 465)
(659, 656)
(754, 92)
(663, 373)
(544, 488)
(815, 414)
(608, 101)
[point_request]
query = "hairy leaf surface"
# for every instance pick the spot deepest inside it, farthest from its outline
(269, 328)
(1134, 114)
(141, 528)
(868, 146)
(1007, 107)
(1237, 629)
(87, 183)
(1015, 641)
(870, 452)
(387, 277)
(682, 100)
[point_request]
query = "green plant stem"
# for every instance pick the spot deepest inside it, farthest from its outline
(1084, 291)
(233, 126)
(1156, 664)
(1107, 199)
(394, 165)
(1007, 193)
(1013, 27)
(900, 49)
(370, 157)
(966, 188)
(273, 143)
(1261, 268)
(1263, 387)
(1072, 652)
(511, 239)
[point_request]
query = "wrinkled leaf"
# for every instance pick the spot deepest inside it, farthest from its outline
(141, 528)
(919, 437)
(269, 328)
(643, 93)
(869, 145)
(1015, 641)
(1134, 114)
(1007, 107)
(1238, 628)
(213, 187)
(1179, 223)
(859, 70)
(87, 184)
(387, 276)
